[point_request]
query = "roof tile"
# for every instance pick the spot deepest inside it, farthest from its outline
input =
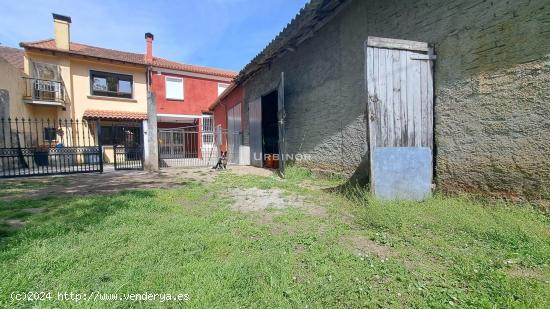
(134, 58)
(14, 56)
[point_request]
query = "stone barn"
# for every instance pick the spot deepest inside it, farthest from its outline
(468, 79)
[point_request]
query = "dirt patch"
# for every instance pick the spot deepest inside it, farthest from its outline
(361, 245)
(313, 185)
(33, 210)
(109, 182)
(520, 272)
(316, 211)
(349, 219)
(255, 200)
(249, 200)
(251, 170)
(15, 224)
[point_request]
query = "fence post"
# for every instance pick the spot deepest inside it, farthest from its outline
(99, 145)
(150, 139)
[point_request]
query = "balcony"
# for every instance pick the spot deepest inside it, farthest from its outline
(44, 92)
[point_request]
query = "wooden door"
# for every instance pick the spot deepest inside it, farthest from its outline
(399, 82)
(400, 96)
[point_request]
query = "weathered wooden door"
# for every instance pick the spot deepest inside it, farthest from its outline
(399, 80)
(281, 115)
(255, 132)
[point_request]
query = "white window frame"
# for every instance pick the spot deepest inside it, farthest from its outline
(166, 78)
(222, 84)
(207, 129)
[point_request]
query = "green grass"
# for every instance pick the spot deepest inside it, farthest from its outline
(443, 252)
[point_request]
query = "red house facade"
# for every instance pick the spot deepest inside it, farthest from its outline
(183, 94)
(227, 110)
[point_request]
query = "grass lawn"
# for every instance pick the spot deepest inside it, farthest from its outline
(347, 250)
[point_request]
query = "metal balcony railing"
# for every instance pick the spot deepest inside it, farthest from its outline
(40, 90)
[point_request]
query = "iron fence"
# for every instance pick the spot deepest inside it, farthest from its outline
(30, 147)
(191, 147)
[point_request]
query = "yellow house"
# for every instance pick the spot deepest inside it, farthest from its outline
(11, 83)
(87, 79)
(67, 80)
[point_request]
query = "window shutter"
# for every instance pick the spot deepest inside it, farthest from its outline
(174, 88)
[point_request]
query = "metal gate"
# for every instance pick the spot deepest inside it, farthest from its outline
(192, 146)
(128, 146)
(33, 147)
(233, 137)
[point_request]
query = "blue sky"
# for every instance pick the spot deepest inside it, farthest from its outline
(218, 33)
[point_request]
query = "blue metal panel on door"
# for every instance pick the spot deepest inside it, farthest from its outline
(402, 173)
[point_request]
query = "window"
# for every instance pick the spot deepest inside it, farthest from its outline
(221, 88)
(207, 129)
(174, 88)
(120, 135)
(111, 84)
(50, 134)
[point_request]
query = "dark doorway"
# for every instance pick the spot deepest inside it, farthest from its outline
(270, 130)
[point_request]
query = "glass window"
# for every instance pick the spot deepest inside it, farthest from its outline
(50, 134)
(124, 86)
(174, 88)
(120, 135)
(111, 84)
(207, 129)
(100, 84)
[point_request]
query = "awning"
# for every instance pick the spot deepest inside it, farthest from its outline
(113, 115)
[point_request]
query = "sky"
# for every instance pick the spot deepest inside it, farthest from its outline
(217, 33)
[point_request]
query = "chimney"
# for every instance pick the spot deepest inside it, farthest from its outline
(61, 27)
(149, 54)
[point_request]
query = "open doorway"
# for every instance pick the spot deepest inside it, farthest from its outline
(270, 130)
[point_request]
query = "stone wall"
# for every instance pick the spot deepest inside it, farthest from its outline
(324, 101)
(492, 89)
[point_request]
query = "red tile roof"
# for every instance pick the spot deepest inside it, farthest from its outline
(134, 58)
(13, 56)
(119, 115)
(167, 64)
(91, 51)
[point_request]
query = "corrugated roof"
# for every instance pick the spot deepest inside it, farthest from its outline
(13, 56)
(118, 115)
(128, 57)
(310, 18)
